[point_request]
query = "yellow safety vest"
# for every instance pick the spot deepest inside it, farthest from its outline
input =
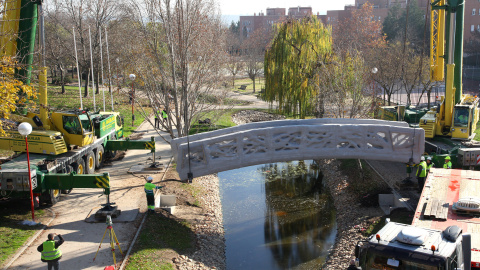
(49, 252)
(447, 165)
(149, 187)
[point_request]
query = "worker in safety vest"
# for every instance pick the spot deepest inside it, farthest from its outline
(421, 173)
(430, 164)
(164, 115)
(50, 252)
(448, 163)
(149, 190)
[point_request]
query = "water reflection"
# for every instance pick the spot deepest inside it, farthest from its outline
(298, 216)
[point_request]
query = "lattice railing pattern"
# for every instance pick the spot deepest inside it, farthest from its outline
(268, 142)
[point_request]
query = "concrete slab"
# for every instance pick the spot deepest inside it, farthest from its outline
(168, 200)
(145, 169)
(127, 215)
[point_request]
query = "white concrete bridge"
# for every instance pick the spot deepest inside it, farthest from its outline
(287, 140)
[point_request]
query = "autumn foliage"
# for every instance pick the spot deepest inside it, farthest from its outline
(13, 92)
(361, 32)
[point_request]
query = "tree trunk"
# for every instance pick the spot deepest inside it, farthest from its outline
(61, 80)
(86, 83)
(97, 90)
(253, 84)
(321, 106)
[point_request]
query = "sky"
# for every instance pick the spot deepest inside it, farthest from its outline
(248, 7)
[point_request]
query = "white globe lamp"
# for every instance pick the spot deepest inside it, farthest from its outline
(25, 129)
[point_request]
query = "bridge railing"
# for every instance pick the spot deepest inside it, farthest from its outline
(286, 140)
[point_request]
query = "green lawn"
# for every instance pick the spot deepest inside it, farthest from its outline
(220, 119)
(160, 236)
(12, 234)
(249, 83)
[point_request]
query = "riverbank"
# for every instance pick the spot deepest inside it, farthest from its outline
(208, 227)
(351, 218)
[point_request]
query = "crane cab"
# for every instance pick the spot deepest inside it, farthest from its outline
(465, 118)
(76, 127)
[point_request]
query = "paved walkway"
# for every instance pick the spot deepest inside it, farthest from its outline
(82, 239)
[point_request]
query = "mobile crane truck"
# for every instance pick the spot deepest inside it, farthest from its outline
(453, 121)
(66, 146)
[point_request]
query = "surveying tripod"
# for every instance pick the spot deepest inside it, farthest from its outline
(112, 237)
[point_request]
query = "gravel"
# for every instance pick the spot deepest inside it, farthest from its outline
(249, 116)
(210, 249)
(351, 222)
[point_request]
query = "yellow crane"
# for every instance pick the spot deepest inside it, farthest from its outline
(457, 114)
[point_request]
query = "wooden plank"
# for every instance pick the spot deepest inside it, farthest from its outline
(435, 204)
(443, 211)
(428, 209)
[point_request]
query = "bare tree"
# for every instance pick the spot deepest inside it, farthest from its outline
(254, 53)
(178, 57)
(79, 16)
(413, 67)
(389, 68)
(235, 65)
(58, 51)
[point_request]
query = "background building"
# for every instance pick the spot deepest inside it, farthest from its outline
(248, 24)
(472, 7)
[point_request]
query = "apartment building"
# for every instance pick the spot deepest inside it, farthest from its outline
(248, 24)
(472, 14)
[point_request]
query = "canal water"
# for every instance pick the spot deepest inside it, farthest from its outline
(277, 216)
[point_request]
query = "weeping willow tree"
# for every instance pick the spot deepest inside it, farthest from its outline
(291, 64)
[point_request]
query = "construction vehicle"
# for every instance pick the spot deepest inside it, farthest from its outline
(450, 124)
(66, 146)
(455, 115)
(401, 113)
(434, 239)
(458, 114)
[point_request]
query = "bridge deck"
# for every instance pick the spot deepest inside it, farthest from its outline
(286, 140)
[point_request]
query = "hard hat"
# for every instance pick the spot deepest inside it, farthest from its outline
(447, 158)
(149, 179)
(422, 158)
(429, 158)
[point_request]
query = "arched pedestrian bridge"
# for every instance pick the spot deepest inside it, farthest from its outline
(287, 140)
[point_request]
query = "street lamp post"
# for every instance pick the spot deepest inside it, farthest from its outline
(374, 100)
(25, 129)
(132, 97)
